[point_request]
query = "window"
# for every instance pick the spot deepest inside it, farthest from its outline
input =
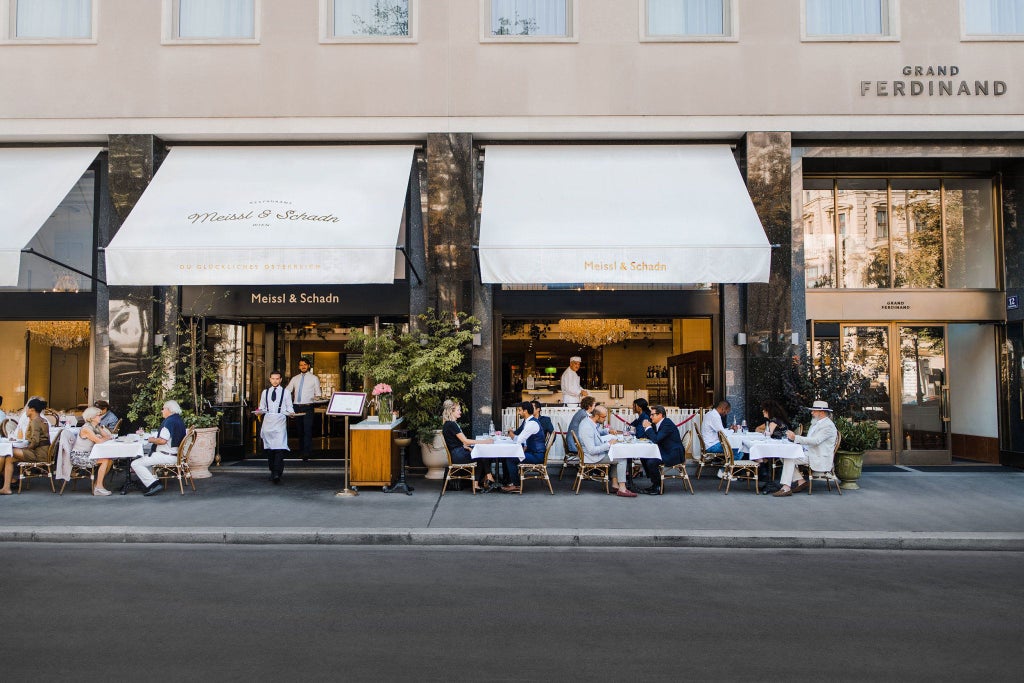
(367, 20)
(993, 18)
(687, 20)
(211, 21)
(850, 20)
(904, 232)
(881, 224)
(541, 20)
(62, 21)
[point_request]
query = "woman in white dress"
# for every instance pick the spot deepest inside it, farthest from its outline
(90, 435)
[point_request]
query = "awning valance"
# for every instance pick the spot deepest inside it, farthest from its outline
(33, 182)
(266, 215)
(618, 214)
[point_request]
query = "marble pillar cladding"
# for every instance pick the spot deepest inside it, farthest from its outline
(415, 211)
(485, 410)
(732, 300)
(1013, 234)
(106, 219)
(769, 307)
(131, 163)
(133, 159)
(451, 216)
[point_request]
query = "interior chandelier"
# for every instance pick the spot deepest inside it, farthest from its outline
(64, 334)
(594, 332)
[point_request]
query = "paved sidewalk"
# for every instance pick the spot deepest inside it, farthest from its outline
(967, 510)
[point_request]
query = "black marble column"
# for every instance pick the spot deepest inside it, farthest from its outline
(1011, 426)
(452, 191)
(131, 313)
(1013, 234)
(773, 313)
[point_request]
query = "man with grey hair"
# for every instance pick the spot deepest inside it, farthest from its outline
(595, 449)
(172, 431)
(571, 389)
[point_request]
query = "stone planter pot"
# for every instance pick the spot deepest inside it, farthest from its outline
(848, 468)
(203, 452)
(434, 457)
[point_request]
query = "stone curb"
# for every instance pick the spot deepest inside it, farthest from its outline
(523, 538)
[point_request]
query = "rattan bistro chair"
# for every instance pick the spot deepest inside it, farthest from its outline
(9, 427)
(36, 470)
(598, 472)
(679, 470)
(78, 472)
(51, 416)
(180, 470)
(738, 469)
(702, 457)
(458, 471)
(529, 470)
(570, 459)
(828, 477)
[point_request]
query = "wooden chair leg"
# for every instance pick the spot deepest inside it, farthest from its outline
(547, 478)
(445, 487)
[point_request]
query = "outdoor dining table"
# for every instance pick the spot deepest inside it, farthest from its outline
(636, 449)
(7, 446)
(502, 448)
(120, 449)
(774, 448)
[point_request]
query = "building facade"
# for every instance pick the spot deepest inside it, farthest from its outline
(881, 143)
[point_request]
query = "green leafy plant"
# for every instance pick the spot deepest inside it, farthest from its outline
(424, 366)
(857, 437)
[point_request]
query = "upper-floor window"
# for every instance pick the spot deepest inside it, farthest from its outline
(688, 19)
(993, 18)
(850, 19)
(49, 20)
(543, 20)
(206, 21)
(367, 20)
(903, 232)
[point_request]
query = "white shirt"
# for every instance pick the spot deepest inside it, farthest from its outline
(712, 425)
(283, 404)
(310, 388)
(530, 428)
(571, 388)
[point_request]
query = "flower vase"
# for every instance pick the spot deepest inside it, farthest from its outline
(384, 414)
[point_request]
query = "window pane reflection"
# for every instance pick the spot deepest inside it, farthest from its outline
(970, 233)
(864, 249)
(917, 233)
(530, 18)
(819, 235)
(866, 350)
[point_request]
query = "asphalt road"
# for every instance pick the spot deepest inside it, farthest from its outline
(292, 613)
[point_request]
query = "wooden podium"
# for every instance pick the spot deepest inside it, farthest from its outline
(375, 457)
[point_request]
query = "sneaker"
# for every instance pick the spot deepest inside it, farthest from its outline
(624, 493)
(100, 492)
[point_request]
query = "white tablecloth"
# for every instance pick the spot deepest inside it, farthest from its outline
(742, 442)
(625, 451)
(507, 449)
(116, 449)
(7, 447)
(776, 449)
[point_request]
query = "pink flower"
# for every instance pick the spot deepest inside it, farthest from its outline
(381, 389)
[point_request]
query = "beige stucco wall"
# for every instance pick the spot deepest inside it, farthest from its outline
(609, 82)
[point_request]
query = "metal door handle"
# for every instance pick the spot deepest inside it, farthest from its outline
(944, 403)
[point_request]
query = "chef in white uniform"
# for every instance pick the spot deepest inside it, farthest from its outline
(571, 390)
(275, 406)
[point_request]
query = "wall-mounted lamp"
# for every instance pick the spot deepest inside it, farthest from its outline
(158, 340)
(741, 339)
(477, 339)
(796, 339)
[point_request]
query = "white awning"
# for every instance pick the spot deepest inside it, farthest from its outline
(618, 214)
(266, 215)
(33, 182)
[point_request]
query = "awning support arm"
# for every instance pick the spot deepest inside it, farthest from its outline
(479, 268)
(63, 265)
(411, 266)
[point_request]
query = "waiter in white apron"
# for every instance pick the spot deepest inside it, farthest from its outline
(275, 406)
(572, 392)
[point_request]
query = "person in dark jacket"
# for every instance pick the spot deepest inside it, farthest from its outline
(664, 432)
(166, 442)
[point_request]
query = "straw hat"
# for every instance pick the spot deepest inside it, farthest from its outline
(821, 405)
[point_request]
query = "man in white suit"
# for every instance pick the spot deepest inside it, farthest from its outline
(820, 442)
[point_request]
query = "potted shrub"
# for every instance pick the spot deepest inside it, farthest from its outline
(857, 437)
(424, 366)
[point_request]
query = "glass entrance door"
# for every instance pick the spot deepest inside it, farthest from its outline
(923, 436)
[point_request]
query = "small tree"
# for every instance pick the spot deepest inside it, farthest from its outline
(423, 366)
(844, 385)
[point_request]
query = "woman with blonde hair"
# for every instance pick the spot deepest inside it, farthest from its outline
(459, 445)
(92, 433)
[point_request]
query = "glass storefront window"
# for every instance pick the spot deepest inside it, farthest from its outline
(864, 250)
(866, 349)
(970, 233)
(899, 233)
(819, 235)
(917, 233)
(67, 236)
